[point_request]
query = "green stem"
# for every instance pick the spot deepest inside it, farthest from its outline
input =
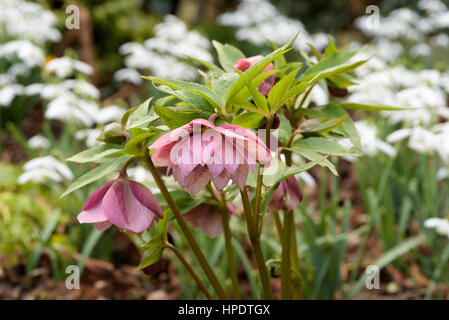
(295, 261)
(190, 270)
(277, 221)
(286, 255)
(185, 229)
(256, 248)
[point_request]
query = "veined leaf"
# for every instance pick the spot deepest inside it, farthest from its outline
(192, 99)
(95, 174)
(95, 153)
(209, 65)
(313, 156)
(322, 125)
(279, 92)
(323, 145)
(253, 71)
(227, 55)
(248, 119)
(369, 107)
(204, 91)
(174, 117)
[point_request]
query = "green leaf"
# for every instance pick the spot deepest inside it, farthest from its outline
(322, 125)
(192, 99)
(291, 171)
(253, 72)
(258, 98)
(313, 156)
(141, 115)
(204, 91)
(220, 86)
(95, 174)
(279, 92)
(133, 146)
(175, 117)
(227, 55)
(95, 153)
(347, 128)
(369, 107)
(323, 145)
(248, 120)
(212, 67)
(153, 252)
(285, 129)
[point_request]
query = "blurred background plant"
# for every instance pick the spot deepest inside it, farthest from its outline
(61, 89)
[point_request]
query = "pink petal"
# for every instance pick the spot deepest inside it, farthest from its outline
(266, 85)
(146, 197)
(124, 210)
(161, 156)
(92, 215)
(221, 180)
(242, 64)
(97, 196)
(197, 179)
(240, 175)
(207, 218)
(101, 226)
(294, 192)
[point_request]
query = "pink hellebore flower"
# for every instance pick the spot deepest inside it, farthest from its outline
(287, 195)
(244, 63)
(127, 204)
(199, 152)
(208, 218)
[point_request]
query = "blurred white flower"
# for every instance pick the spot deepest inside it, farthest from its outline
(90, 136)
(38, 142)
(128, 74)
(27, 52)
(441, 226)
(371, 145)
(108, 114)
(165, 55)
(140, 174)
(40, 169)
(28, 21)
(65, 67)
(8, 93)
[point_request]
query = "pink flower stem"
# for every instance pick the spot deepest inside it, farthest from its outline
(229, 252)
(185, 229)
(228, 238)
(190, 270)
(254, 237)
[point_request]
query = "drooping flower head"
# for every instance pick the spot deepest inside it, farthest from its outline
(208, 218)
(287, 195)
(199, 152)
(244, 63)
(127, 204)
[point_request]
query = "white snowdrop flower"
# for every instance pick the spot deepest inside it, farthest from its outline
(371, 145)
(38, 142)
(6, 79)
(442, 174)
(307, 178)
(81, 87)
(420, 50)
(27, 52)
(398, 135)
(319, 95)
(441, 20)
(128, 74)
(28, 21)
(90, 136)
(422, 140)
(39, 169)
(165, 54)
(108, 114)
(33, 89)
(64, 67)
(441, 40)
(140, 174)
(8, 93)
(68, 107)
(441, 226)
(432, 6)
